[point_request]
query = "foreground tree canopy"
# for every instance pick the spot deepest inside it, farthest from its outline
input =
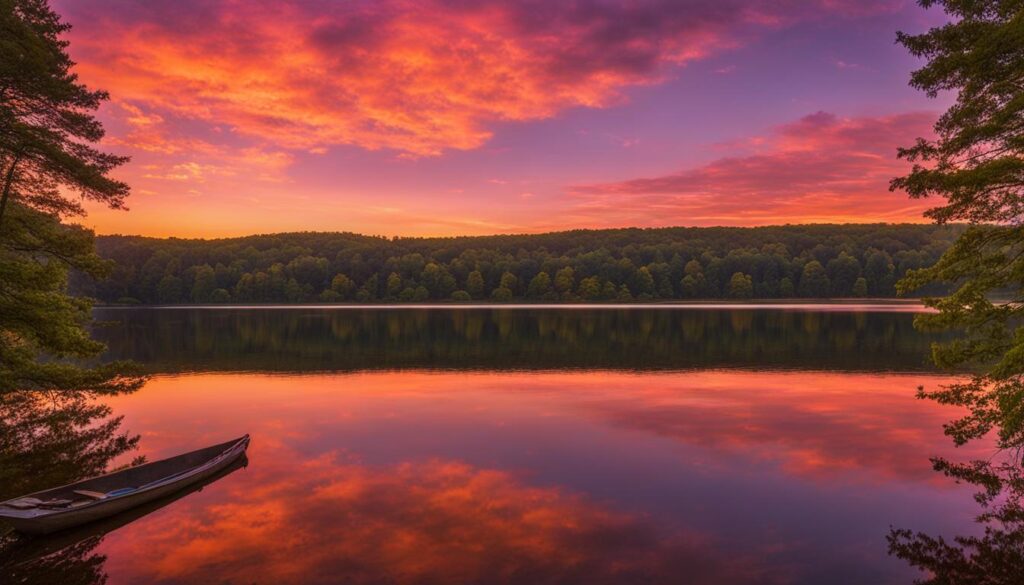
(813, 261)
(46, 127)
(977, 164)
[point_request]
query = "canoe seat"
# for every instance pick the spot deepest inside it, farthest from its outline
(24, 503)
(91, 494)
(55, 503)
(28, 503)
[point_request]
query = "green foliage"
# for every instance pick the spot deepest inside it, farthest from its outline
(786, 289)
(220, 295)
(539, 287)
(741, 286)
(880, 273)
(41, 327)
(843, 272)
(342, 286)
(394, 285)
(545, 267)
(509, 281)
(813, 280)
(564, 282)
(976, 162)
(47, 129)
(860, 287)
(46, 119)
(475, 284)
(204, 283)
(590, 289)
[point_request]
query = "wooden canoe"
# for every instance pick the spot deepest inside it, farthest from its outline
(99, 497)
(33, 554)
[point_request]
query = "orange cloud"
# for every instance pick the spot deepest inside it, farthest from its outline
(816, 425)
(440, 521)
(819, 168)
(418, 77)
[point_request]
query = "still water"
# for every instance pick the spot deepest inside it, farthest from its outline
(690, 445)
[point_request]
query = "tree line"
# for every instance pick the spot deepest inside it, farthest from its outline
(619, 265)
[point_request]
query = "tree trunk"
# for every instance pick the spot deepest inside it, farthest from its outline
(8, 181)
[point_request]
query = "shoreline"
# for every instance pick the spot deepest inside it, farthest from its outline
(839, 304)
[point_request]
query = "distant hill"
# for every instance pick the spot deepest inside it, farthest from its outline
(810, 261)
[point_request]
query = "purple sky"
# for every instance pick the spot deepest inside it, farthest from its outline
(442, 117)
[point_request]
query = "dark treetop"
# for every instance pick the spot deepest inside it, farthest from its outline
(810, 261)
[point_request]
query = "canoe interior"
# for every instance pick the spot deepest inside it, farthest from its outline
(138, 476)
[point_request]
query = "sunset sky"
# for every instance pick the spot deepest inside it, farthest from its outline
(445, 117)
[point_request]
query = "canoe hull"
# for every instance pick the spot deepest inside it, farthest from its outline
(64, 519)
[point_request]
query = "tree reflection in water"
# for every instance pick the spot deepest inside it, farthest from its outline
(69, 557)
(49, 439)
(994, 556)
(648, 339)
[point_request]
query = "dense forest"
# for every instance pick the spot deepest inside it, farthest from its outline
(806, 261)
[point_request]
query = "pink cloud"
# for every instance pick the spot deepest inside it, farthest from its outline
(819, 168)
(417, 77)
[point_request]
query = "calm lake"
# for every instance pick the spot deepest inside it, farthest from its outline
(704, 444)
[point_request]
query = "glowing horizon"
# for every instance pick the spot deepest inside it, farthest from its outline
(442, 118)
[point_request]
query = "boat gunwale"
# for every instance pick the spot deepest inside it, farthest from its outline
(38, 513)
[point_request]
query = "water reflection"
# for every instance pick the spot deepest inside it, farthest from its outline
(52, 439)
(431, 522)
(623, 455)
(176, 340)
(420, 477)
(70, 556)
(995, 554)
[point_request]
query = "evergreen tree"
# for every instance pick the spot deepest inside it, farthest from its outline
(47, 129)
(47, 120)
(38, 320)
(976, 164)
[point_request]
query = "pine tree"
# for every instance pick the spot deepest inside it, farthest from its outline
(976, 163)
(47, 121)
(46, 128)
